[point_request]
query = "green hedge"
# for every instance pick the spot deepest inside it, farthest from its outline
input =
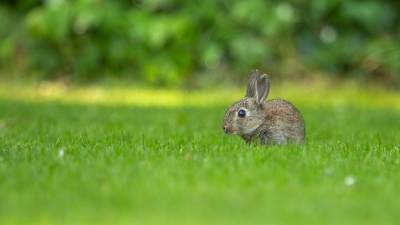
(165, 41)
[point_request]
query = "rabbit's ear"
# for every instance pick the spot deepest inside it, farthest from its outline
(261, 89)
(251, 83)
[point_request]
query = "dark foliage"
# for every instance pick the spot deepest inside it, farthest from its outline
(165, 41)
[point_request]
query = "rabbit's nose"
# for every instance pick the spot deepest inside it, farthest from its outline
(224, 127)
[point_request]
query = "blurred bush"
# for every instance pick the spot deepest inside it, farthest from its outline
(166, 41)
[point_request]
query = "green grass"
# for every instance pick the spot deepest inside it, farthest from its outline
(125, 155)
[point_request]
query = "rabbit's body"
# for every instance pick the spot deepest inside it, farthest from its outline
(273, 122)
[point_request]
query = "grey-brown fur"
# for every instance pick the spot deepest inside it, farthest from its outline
(273, 122)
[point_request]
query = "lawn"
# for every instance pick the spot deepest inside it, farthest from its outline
(114, 154)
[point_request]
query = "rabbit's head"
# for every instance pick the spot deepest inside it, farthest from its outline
(246, 115)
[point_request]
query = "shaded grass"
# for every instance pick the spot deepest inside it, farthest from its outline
(64, 160)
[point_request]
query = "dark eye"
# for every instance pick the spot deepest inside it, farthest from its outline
(241, 113)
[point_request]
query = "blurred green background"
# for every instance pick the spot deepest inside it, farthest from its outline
(178, 42)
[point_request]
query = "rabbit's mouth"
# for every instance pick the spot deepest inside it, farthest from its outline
(229, 129)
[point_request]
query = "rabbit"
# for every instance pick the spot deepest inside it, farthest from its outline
(273, 122)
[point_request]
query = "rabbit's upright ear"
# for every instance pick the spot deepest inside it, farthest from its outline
(261, 89)
(251, 83)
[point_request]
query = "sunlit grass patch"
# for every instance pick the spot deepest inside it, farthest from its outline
(318, 93)
(115, 95)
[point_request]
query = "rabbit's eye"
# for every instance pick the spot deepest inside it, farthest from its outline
(241, 113)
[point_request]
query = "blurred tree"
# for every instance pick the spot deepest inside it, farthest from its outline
(165, 41)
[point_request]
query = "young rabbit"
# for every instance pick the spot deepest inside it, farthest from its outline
(274, 122)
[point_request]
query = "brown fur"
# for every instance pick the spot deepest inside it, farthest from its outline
(273, 122)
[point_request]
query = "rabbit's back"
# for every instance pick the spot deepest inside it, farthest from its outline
(283, 123)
